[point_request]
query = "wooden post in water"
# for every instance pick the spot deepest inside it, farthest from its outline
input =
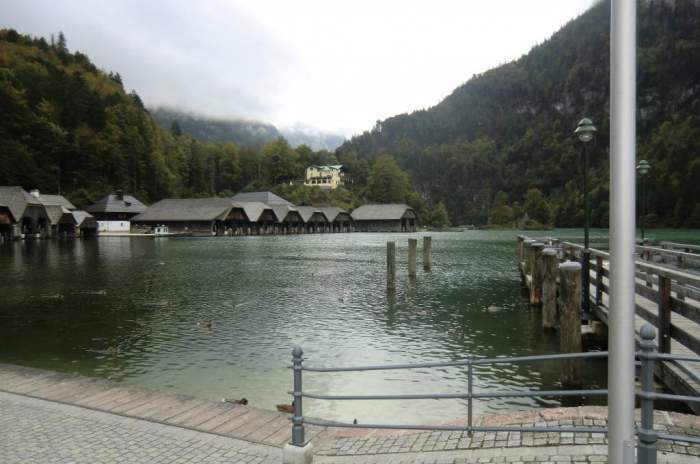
(664, 314)
(427, 253)
(527, 262)
(391, 265)
(412, 251)
(570, 321)
(550, 266)
(599, 270)
(536, 288)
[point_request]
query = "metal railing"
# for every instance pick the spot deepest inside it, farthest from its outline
(647, 435)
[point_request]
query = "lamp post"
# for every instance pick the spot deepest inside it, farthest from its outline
(585, 132)
(643, 168)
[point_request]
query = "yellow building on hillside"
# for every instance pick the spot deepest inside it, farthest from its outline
(326, 177)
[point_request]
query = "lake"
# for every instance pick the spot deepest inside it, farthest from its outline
(134, 310)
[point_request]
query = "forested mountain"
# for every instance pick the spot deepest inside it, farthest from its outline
(67, 126)
(510, 129)
(242, 132)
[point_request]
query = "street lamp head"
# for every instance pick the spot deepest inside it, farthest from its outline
(585, 130)
(643, 167)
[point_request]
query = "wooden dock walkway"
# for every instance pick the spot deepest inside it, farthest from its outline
(219, 418)
(667, 297)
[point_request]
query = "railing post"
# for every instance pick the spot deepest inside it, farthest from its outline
(647, 435)
(586, 274)
(599, 280)
(298, 451)
(470, 379)
(664, 314)
(298, 419)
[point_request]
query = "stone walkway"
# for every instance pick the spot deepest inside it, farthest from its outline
(47, 417)
(44, 432)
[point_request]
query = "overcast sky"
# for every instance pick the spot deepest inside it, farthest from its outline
(328, 64)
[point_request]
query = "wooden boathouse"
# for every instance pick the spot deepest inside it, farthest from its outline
(195, 216)
(314, 220)
(114, 212)
(288, 219)
(31, 220)
(384, 218)
(340, 220)
(260, 218)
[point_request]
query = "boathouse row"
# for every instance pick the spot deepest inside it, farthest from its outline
(36, 215)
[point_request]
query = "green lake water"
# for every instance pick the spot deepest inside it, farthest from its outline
(131, 310)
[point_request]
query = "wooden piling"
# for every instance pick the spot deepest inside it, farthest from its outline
(570, 321)
(427, 253)
(536, 287)
(412, 251)
(527, 258)
(391, 265)
(664, 314)
(550, 267)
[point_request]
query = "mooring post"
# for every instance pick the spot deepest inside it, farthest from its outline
(536, 288)
(412, 251)
(570, 321)
(527, 259)
(664, 314)
(427, 253)
(298, 451)
(599, 270)
(391, 265)
(550, 265)
(647, 434)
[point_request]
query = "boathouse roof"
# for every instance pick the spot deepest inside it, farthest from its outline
(52, 200)
(83, 219)
(17, 199)
(307, 212)
(186, 209)
(253, 209)
(282, 211)
(268, 198)
(390, 212)
(56, 212)
(117, 203)
(333, 213)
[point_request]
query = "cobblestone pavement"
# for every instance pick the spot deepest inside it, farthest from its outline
(358, 442)
(44, 432)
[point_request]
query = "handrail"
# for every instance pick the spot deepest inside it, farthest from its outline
(648, 356)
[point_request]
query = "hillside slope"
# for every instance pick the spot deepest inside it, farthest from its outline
(510, 128)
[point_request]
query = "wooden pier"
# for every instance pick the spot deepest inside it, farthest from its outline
(215, 417)
(666, 296)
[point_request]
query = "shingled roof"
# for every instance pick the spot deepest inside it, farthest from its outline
(282, 211)
(253, 209)
(83, 219)
(186, 209)
(332, 212)
(17, 199)
(116, 203)
(55, 213)
(391, 212)
(52, 200)
(268, 198)
(307, 212)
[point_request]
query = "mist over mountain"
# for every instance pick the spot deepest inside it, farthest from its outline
(243, 132)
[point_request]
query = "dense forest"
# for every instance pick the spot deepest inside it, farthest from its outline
(68, 127)
(502, 144)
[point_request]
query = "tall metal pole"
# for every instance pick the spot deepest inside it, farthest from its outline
(587, 217)
(623, 92)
